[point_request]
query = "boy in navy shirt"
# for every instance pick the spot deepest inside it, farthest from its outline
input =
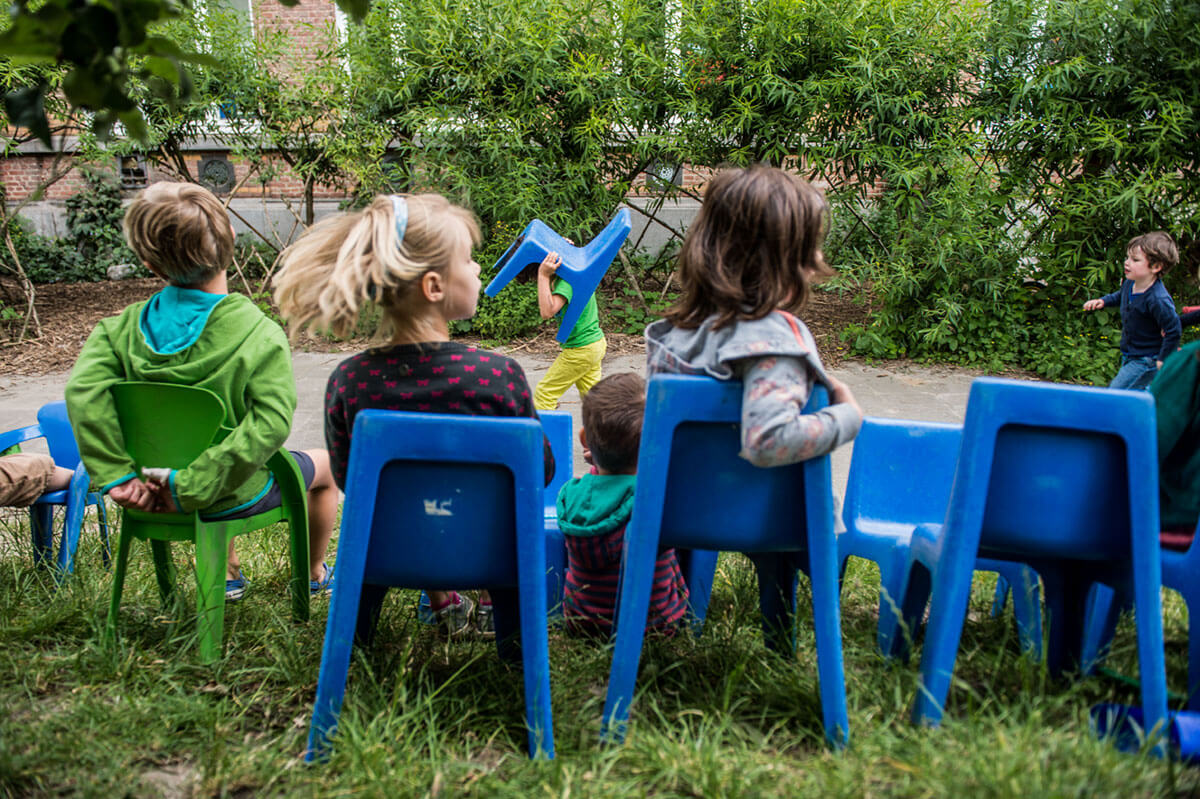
(1150, 328)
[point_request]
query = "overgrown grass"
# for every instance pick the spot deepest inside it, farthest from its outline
(718, 716)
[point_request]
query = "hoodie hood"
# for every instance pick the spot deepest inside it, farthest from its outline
(595, 504)
(175, 317)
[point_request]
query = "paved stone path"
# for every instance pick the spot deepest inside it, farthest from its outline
(904, 392)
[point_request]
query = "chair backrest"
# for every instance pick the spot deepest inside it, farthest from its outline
(52, 418)
(1057, 471)
(446, 499)
(165, 425)
(900, 475)
(557, 425)
(708, 497)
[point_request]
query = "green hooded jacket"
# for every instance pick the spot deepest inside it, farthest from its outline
(223, 343)
(1176, 391)
(595, 504)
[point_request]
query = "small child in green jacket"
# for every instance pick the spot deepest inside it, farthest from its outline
(195, 333)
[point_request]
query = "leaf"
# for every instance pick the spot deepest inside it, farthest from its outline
(26, 109)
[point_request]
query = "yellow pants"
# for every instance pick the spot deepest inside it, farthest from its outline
(577, 366)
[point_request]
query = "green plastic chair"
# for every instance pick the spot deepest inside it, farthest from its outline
(167, 425)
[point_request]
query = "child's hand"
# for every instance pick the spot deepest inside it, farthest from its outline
(841, 394)
(158, 481)
(549, 264)
(134, 494)
(1093, 305)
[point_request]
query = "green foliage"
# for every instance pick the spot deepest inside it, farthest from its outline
(45, 259)
(94, 218)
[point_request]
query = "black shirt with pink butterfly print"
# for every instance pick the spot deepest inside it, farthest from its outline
(434, 377)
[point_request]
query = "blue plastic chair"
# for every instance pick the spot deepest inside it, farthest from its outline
(694, 491)
(1179, 573)
(54, 426)
(1064, 479)
(441, 501)
(900, 477)
(558, 428)
(582, 267)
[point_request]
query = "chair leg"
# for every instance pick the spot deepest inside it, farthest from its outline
(298, 537)
(1066, 605)
(1000, 598)
(212, 552)
(41, 531)
(164, 573)
(1027, 611)
(893, 581)
(825, 575)
(1193, 694)
(506, 609)
(777, 600)
(344, 617)
(105, 553)
(72, 526)
(948, 608)
(1103, 613)
(370, 607)
(535, 647)
(637, 577)
(124, 539)
(699, 568)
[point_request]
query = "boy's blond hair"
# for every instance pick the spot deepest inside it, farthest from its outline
(181, 231)
(1158, 247)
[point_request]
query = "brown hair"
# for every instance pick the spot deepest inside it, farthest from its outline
(753, 248)
(1158, 247)
(348, 261)
(612, 417)
(181, 231)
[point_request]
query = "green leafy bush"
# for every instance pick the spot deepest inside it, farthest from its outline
(94, 218)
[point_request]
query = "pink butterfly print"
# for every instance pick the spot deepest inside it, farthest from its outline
(437, 394)
(374, 373)
(376, 397)
(512, 386)
(424, 358)
(423, 406)
(389, 383)
(485, 406)
(437, 370)
(468, 368)
(422, 383)
(362, 386)
(483, 381)
(406, 395)
(456, 357)
(393, 361)
(469, 393)
(497, 372)
(454, 380)
(485, 358)
(454, 406)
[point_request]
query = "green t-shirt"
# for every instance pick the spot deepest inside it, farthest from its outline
(587, 328)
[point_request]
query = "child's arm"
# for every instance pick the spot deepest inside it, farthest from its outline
(549, 303)
(1102, 302)
(1190, 316)
(271, 401)
(1172, 330)
(775, 429)
(93, 416)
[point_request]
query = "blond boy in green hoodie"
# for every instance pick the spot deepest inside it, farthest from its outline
(195, 333)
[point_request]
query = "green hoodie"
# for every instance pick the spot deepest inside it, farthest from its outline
(187, 337)
(595, 504)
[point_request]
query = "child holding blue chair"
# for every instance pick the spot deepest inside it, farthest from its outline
(411, 257)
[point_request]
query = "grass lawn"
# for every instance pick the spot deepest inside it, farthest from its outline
(718, 716)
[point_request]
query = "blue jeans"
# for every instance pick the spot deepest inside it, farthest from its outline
(1135, 372)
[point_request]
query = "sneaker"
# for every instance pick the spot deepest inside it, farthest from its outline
(235, 589)
(455, 617)
(485, 620)
(322, 586)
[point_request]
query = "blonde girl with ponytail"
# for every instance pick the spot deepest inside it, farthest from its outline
(410, 256)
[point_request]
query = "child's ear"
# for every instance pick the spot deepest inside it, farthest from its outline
(1156, 267)
(583, 438)
(432, 287)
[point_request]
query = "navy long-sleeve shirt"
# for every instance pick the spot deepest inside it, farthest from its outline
(1150, 326)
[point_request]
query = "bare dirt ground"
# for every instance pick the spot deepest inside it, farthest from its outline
(68, 312)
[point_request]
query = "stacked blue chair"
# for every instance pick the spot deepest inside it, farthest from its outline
(693, 491)
(582, 267)
(443, 502)
(557, 425)
(1179, 573)
(54, 426)
(900, 477)
(1064, 479)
